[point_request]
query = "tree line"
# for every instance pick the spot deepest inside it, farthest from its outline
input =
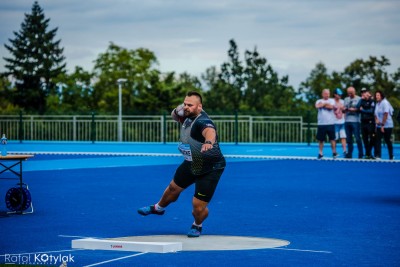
(36, 80)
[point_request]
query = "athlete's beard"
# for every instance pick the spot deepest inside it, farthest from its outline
(189, 114)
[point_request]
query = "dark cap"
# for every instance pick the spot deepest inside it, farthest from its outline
(363, 90)
(338, 91)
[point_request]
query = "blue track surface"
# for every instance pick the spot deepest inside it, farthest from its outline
(334, 213)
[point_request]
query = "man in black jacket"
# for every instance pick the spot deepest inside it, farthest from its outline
(367, 108)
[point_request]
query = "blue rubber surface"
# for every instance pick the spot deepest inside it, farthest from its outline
(334, 213)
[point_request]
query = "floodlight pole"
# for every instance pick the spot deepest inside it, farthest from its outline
(120, 82)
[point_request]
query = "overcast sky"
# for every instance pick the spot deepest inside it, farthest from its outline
(294, 35)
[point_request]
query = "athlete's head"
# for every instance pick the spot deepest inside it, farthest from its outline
(192, 105)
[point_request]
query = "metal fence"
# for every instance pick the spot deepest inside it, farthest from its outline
(157, 128)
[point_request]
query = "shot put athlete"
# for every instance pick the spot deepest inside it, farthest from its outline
(203, 162)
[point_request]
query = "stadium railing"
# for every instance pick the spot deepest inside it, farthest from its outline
(154, 128)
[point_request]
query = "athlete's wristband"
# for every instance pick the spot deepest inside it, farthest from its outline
(208, 142)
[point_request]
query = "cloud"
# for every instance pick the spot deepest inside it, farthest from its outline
(193, 35)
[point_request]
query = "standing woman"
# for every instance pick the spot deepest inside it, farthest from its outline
(384, 124)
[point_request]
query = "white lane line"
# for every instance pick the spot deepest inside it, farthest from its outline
(99, 153)
(303, 250)
(179, 155)
(117, 259)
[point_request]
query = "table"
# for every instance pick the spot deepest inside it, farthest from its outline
(17, 194)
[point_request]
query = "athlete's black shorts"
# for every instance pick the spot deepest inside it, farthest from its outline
(323, 130)
(205, 184)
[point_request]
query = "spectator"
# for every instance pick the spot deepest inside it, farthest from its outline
(326, 122)
(339, 118)
(384, 124)
(352, 122)
(368, 128)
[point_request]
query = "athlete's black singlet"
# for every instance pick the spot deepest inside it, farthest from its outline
(191, 141)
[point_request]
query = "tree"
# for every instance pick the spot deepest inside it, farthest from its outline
(395, 77)
(251, 85)
(6, 91)
(146, 89)
(264, 90)
(183, 84)
(369, 73)
(35, 59)
(231, 85)
(137, 66)
(213, 95)
(310, 90)
(72, 93)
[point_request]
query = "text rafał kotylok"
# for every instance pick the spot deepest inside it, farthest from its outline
(37, 258)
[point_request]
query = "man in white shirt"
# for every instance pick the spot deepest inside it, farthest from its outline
(326, 122)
